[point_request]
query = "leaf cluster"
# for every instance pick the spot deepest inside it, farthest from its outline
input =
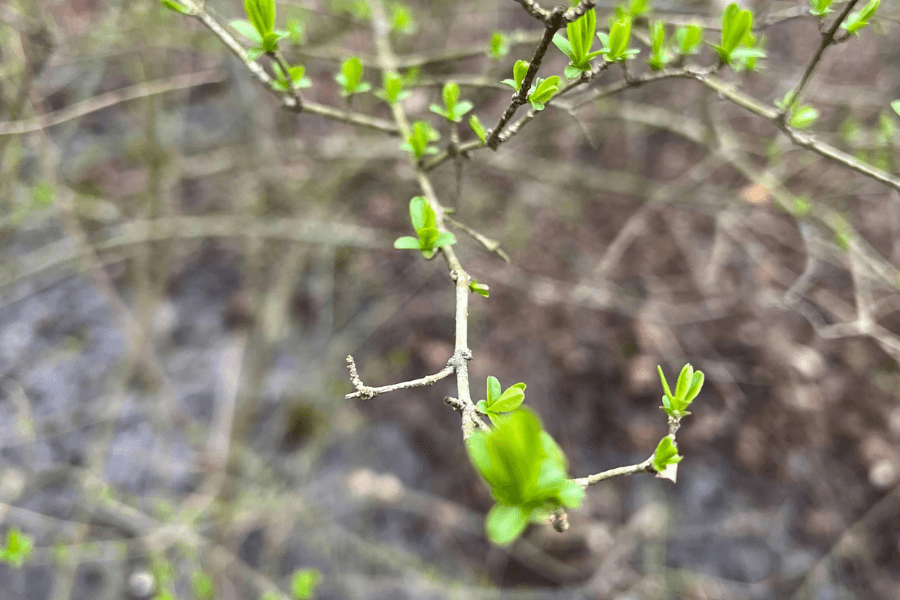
(665, 457)
(542, 90)
(430, 239)
(350, 78)
(295, 78)
(615, 44)
(417, 143)
(393, 91)
(260, 28)
(453, 109)
(303, 583)
(498, 46)
(820, 8)
(498, 403)
(577, 47)
(860, 18)
(688, 386)
(483, 290)
(17, 548)
(737, 46)
(526, 470)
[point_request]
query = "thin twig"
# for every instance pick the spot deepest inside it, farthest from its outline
(491, 245)
(643, 467)
(366, 392)
(288, 100)
(554, 22)
(827, 40)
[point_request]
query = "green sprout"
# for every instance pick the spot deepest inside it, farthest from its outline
(424, 222)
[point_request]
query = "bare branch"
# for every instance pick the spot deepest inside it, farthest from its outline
(366, 392)
(643, 467)
(491, 245)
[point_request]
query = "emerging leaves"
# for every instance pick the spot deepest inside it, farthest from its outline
(498, 403)
(577, 47)
(520, 69)
(615, 45)
(737, 40)
(859, 19)
(453, 110)
(417, 144)
(526, 471)
(350, 78)
(303, 583)
(478, 128)
(665, 458)
(688, 386)
(17, 548)
(430, 239)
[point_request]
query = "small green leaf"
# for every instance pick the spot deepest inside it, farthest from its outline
(246, 29)
(499, 46)
(571, 494)
(684, 381)
(819, 8)
(545, 90)
(665, 384)
(696, 385)
(351, 76)
(478, 128)
(176, 6)
(689, 38)
(572, 72)
(480, 288)
(450, 94)
(295, 31)
(444, 239)
(204, 589)
(303, 583)
(482, 407)
(406, 243)
(505, 523)
(803, 117)
(254, 53)
(520, 69)
(509, 400)
(261, 14)
(666, 454)
(493, 390)
(17, 549)
(858, 20)
(896, 106)
(564, 46)
(401, 19)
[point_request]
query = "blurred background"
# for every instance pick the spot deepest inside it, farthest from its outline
(184, 267)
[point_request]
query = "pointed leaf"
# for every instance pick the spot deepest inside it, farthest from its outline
(444, 239)
(665, 384)
(505, 523)
(417, 212)
(478, 128)
(406, 243)
(565, 47)
(246, 29)
(493, 390)
(509, 400)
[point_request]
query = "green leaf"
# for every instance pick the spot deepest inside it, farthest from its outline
(401, 19)
(246, 29)
(480, 288)
(665, 384)
(858, 20)
(295, 31)
(803, 117)
(417, 208)
(406, 243)
(695, 387)
(545, 90)
(666, 454)
(204, 589)
(509, 400)
(505, 523)
(478, 128)
(689, 38)
(572, 72)
(499, 46)
(659, 56)
(571, 494)
(254, 53)
(450, 94)
(684, 381)
(520, 69)
(444, 239)
(493, 390)
(820, 8)
(261, 14)
(616, 44)
(17, 549)
(896, 106)
(176, 6)
(352, 71)
(565, 47)
(481, 406)
(303, 583)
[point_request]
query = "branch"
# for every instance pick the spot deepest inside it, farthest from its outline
(288, 100)
(643, 467)
(827, 40)
(554, 22)
(461, 355)
(97, 103)
(576, 12)
(804, 140)
(365, 392)
(491, 245)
